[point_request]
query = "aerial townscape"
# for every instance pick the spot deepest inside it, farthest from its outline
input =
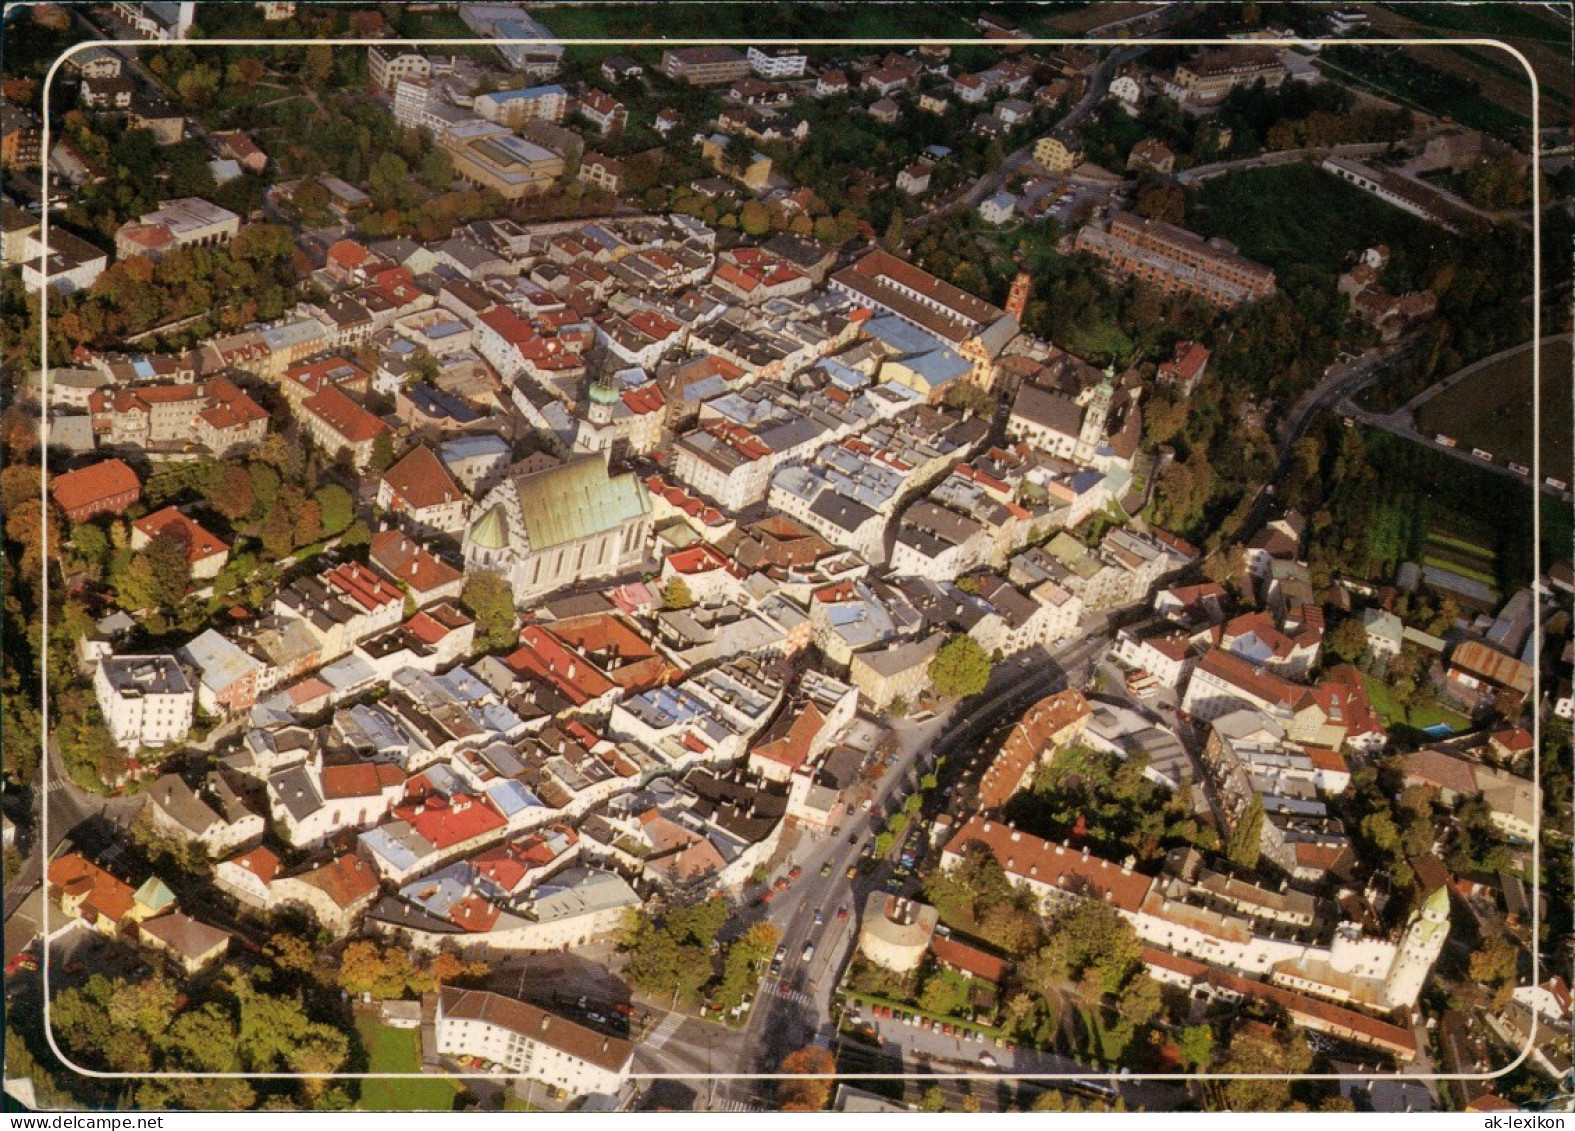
(1015, 571)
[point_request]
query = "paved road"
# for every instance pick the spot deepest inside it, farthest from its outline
(951, 1054)
(1401, 422)
(779, 1024)
(1277, 157)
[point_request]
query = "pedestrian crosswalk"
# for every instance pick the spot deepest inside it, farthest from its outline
(738, 1106)
(664, 1032)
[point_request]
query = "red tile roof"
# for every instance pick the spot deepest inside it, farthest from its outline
(1043, 728)
(1029, 858)
(200, 543)
(95, 486)
(360, 779)
(402, 559)
(445, 822)
(346, 881)
(354, 423)
(419, 480)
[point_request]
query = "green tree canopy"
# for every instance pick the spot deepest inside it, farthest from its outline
(960, 668)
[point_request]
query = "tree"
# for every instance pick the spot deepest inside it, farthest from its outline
(1347, 642)
(487, 597)
(754, 218)
(933, 1100)
(335, 507)
(1196, 1044)
(382, 453)
(1085, 938)
(278, 532)
(677, 595)
(1495, 964)
(155, 578)
(942, 994)
(894, 231)
(1141, 1000)
(1243, 846)
(960, 668)
(319, 64)
(806, 1094)
(1280, 1058)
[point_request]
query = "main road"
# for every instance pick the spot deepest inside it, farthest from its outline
(794, 1007)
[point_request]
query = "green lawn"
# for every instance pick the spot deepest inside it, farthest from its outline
(1491, 409)
(1418, 718)
(399, 1050)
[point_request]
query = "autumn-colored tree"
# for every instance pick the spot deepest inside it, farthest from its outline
(805, 1092)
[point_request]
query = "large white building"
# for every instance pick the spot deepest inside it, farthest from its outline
(531, 1042)
(547, 529)
(146, 700)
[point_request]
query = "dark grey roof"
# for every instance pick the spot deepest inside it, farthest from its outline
(1048, 410)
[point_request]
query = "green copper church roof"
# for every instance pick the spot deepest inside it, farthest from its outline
(491, 531)
(576, 500)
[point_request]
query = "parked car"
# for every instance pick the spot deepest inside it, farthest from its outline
(795, 873)
(988, 1061)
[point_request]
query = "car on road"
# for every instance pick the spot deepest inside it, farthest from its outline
(853, 871)
(784, 990)
(809, 952)
(842, 914)
(765, 897)
(780, 884)
(825, 869)
(819, 918)
(795, 873)
(853, 837)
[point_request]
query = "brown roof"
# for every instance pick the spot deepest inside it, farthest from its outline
(1057, 866)
(968, 959)
(200, 543)
(346, 881)
(420, 480)
(611, 1053)
(1436, 768)
(358, 780)
(1239, 673)
(1477, 659)
(1040, 730)
(884, 279)
(185, 936)
(403, 560)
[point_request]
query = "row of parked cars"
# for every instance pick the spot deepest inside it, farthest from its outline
(929, 1024)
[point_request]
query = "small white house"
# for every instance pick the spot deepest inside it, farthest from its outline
(997, 209)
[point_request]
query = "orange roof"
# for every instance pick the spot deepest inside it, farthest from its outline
(101, 893)
(789, 739)
(200, 543)
(361, 585)
(346, 881)
(352, 422)
(968, 959)
(419, 480)
(260, 862)
(1041, 729)
(405, 561)
(95, 485)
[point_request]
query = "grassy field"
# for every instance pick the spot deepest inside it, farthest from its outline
(1491, 409)
(399, 1050)
(1418, 718)
(1331, 219)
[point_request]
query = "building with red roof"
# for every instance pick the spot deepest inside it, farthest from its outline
(342, 427)
(426, 577)
(335, 893)
(1186, 368)
(422, 493)
(1049, 725)
(108, 487)
(205, 551)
